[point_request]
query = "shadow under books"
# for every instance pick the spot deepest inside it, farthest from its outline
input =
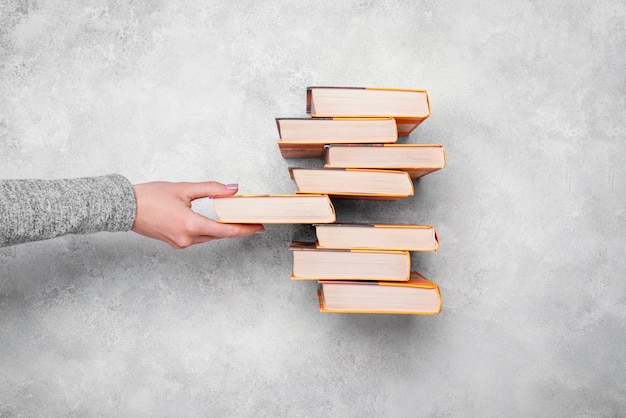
(405, 210)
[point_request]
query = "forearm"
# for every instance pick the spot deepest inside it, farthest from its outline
(32, 210)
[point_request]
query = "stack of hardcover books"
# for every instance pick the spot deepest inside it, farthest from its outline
(361, 268)
(367, 268)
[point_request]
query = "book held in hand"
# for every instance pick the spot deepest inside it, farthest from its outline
(403, 237)
(272, 209)
(416, 296)
(311, 263)
(416, 159)
(306, 137)
(379, 184)
(408, 106)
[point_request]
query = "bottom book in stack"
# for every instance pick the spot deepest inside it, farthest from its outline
(418, 295)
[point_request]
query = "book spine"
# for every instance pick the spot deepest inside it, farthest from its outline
(278, 126)
(300, 150)
(325, 154)
(309, 93)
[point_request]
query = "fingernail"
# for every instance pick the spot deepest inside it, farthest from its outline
(260, 230)
(232, 186)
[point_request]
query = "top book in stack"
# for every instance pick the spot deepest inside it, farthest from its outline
(407, 106)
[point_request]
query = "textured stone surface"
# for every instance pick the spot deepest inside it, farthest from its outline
(527, 97)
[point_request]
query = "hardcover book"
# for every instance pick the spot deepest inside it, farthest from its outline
(408, 106)
(415, 296)
(274, 209)
(311, 263)
(377, 184)
(416, 159)
(306, 137)
(403, 237)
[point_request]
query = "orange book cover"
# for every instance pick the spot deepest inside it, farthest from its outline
(416, 281)
(416, 159)
(372, 101)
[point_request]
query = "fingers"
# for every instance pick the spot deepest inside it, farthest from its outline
(207, 189)
(164, 212)
(203, 226)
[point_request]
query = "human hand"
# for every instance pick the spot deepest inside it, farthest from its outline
(164, 213)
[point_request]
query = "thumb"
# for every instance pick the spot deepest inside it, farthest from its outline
(208, 189)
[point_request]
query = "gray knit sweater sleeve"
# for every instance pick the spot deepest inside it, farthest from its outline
(32, 210)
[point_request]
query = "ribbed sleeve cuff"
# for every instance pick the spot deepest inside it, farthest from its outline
(122, 207)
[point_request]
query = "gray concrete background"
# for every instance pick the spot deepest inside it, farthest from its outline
(527, 97)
